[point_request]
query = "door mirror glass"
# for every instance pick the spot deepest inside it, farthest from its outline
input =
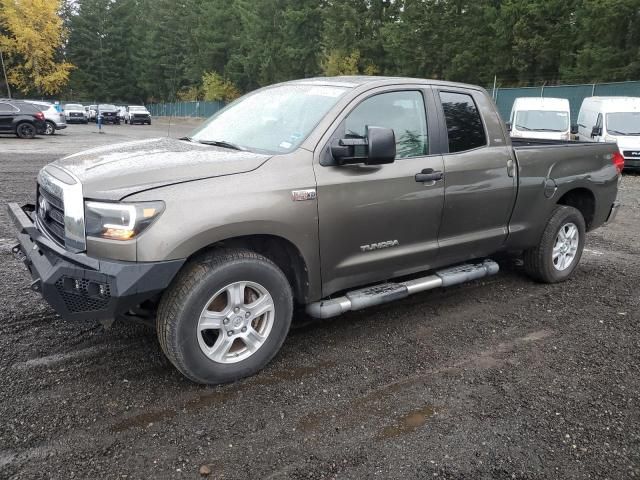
(596, 131)
(509, 125)
(574, 129)
(378, 147)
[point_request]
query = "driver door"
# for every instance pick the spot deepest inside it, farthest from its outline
(377, 222)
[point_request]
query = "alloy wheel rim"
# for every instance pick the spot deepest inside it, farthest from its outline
(49, 130)
(235, 322)
(27, 130)
(565, 247)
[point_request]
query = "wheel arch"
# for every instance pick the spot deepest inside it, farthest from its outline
(583, 200)
(280, 251)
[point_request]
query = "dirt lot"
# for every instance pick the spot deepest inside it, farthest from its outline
(503, 378)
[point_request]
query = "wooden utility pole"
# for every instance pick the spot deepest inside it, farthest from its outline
(4, 70)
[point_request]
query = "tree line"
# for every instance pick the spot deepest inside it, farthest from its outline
(163, 50)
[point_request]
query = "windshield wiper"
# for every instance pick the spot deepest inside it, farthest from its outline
(522, 127)
(545, 130)
(220, 143)
(617, 132)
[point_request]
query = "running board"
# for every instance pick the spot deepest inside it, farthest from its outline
(388, 292)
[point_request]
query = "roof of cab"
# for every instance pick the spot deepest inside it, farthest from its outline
(352, 81)
(540, 103)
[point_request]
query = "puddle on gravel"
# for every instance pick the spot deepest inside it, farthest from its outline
(408, 423)
(143, 419)
(218, 397)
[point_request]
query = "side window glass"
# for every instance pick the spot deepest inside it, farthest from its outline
(401, 111)
(464, 125)
(5, 108)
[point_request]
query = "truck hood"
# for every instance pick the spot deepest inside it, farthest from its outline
(116, 171)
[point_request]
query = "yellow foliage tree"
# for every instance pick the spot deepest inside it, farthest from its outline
(336, 62)
(31, 31)
(215, 87)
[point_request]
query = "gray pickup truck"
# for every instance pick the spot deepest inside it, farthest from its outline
(329, 194)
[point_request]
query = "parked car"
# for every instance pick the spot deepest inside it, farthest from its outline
(21, 118)
(535, 117)
(109, 114)
(54, 119)
(122, 113)
(613, 119)
(92, 112)
(138, 114)
(334, 194)
(75, 113)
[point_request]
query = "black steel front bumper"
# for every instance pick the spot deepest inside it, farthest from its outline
(81, 287)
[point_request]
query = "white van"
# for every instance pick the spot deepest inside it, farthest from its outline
(613, 119)
(539, 117)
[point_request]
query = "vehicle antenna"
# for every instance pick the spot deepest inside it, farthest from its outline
(175, 93)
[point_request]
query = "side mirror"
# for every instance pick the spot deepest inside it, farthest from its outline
(574, 129)
(596, 132)
(509, 126)
(378, 147)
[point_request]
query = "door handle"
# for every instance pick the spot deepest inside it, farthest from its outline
(429, 175)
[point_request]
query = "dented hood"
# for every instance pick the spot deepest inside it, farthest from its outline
(116, 171)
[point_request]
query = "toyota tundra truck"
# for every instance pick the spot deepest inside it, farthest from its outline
(325, 195)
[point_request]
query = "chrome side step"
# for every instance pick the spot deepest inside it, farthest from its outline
(388, 292)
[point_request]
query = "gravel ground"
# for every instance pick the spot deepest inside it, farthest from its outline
(502, 378)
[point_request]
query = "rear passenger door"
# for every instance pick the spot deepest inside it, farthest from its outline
(479, 177)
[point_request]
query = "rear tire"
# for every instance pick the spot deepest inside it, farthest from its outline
(26, 130)
(209, 323)
(557, 255)
(50, 128)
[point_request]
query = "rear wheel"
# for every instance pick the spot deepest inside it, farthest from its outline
(50, 128)
(557, 255)
(26, 130)
(225, 316)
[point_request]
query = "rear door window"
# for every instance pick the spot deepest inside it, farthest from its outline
(465, 130)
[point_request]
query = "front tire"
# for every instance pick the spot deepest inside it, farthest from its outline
(557, 255)
(225, 316)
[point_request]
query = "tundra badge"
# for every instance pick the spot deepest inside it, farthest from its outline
(379, 245)
(302, 195)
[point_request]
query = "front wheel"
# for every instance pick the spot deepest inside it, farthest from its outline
(225, 316)
(557, 255)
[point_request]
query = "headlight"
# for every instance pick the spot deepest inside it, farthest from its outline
(120, 221)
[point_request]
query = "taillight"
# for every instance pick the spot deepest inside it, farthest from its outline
(618, 161)
(40, 115)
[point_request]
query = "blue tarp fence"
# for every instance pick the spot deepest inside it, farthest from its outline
(185, 109)
(504, 97)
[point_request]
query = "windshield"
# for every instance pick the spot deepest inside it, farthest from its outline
(73, 106)
(273, 120)
(137, 109)
(623, 123)
(106, 107)
(542, 120)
